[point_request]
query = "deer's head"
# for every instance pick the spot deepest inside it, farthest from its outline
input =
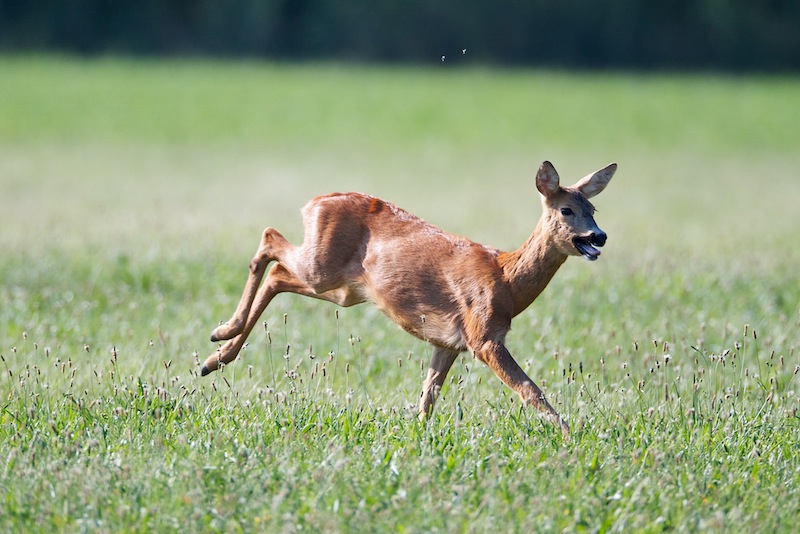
(568, 215)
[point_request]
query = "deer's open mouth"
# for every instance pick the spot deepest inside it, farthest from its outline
(587, 246)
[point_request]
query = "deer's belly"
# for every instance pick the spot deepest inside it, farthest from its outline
(444, 330)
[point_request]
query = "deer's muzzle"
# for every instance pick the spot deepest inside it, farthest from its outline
(587, 245)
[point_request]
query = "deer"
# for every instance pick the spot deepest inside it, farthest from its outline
(444, 289)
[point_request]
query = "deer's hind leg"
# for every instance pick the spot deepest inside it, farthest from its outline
(273, 246)
(279, 280)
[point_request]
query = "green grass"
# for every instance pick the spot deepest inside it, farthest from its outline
(132, 195)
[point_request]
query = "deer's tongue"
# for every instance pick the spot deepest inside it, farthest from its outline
(587, 250)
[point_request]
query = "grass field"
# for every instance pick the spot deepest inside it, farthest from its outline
(132, 196)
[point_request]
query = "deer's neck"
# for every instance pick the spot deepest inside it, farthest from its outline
(530, 268)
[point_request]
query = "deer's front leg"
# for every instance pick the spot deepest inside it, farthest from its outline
(441, 361)
(496, 356)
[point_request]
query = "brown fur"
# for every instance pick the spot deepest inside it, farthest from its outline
(454, 293)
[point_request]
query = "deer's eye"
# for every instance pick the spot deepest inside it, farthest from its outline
(566, 212)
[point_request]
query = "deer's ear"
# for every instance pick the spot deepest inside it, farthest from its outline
(597, 181)
(547, 179)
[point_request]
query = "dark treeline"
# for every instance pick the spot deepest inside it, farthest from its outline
(715, 34)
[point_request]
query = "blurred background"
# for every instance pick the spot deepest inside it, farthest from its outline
(144, 146)
(141, 138)
(733, 35)
(194, 121)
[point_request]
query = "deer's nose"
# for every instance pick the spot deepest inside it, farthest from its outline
(599, 238)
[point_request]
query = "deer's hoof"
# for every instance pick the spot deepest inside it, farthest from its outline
(226, 331)
(565, 433)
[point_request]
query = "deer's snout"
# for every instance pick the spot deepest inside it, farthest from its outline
(598, 238)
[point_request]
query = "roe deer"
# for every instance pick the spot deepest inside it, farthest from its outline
(444, 289)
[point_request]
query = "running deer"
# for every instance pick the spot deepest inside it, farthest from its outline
(444, 289)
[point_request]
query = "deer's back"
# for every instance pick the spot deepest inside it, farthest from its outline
(427, 280)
